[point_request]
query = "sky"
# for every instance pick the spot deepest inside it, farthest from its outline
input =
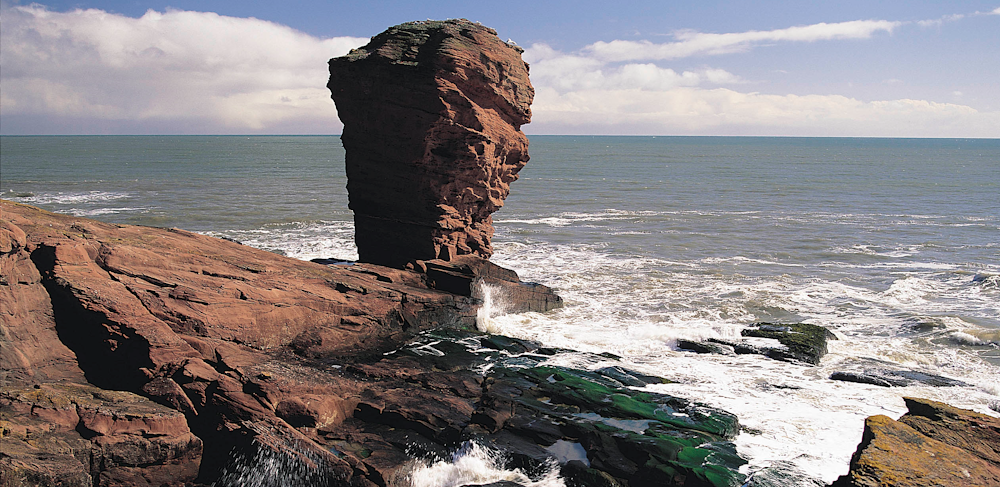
(773, 68)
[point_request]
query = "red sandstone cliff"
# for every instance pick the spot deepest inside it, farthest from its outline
(432, 114)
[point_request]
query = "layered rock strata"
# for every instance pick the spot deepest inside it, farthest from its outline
(147, 356)
(432, 114)
(932, 444)
(233, 343)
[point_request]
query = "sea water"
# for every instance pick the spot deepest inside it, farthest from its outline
(892, 244)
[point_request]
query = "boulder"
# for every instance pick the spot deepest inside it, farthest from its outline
(62, 433)
(794, 342)
(932, 444)
(432, 112)
(887, 374)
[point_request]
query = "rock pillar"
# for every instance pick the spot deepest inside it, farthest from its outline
(432, 114)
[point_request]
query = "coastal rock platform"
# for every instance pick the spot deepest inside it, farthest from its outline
(149, 356)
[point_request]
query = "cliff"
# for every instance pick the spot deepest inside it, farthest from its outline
(432, 114)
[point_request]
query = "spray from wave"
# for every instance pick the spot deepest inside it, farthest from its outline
(475, 464)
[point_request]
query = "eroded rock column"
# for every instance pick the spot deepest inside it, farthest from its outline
(432, 114)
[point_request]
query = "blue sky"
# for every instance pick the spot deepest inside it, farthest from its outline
(849, 68)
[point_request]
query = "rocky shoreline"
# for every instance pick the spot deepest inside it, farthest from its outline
(149, 356)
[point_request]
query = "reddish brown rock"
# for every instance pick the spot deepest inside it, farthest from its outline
(976, 433)
(932, 444)
(223, 333)
(432, 114)
(76, 434)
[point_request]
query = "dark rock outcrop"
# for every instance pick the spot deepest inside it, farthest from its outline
(432, 114)
(887, 374)
(597, 429)
(474, 276)
(932, 444)
(797, 342)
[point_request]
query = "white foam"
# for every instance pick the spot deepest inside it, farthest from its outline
(104, 211)
(301, 240)
(637, 307)
(66, 198)
(475, 464)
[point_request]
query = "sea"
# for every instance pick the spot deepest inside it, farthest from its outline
(891, 244)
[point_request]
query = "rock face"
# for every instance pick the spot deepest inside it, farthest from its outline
(146, 356)
(234, 343)
(932, 444)
(432, 114)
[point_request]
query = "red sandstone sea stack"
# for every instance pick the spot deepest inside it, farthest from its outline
(432, 114)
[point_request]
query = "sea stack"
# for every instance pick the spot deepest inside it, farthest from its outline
(432, 112)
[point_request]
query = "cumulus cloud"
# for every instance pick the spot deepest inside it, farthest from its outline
(617, 87)
(236, 74)
(569, 72)
(688, 110)
(196, 72)
(691, 43)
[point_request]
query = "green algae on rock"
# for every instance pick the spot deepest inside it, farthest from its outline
(805, 342)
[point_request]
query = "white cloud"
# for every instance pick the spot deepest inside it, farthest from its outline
(193, 72)
(939, 21)
(604, 88)
(568, 72)
(239, 74)
(692, 43)
(686, 110)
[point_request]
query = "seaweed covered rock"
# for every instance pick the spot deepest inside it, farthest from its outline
(594, 424)
(432, 112)
(792, 342)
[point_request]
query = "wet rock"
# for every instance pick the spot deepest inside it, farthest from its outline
(804, 342)
(603, 432)
(795, 342)
(474, 276)
(887, 374)
(782, 474)
(706, 347)
(932, 444)
(432, 114)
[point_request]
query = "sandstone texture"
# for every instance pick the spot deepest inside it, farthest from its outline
(932, 444)
(147, 356)
(432, 114)
(225, 338)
